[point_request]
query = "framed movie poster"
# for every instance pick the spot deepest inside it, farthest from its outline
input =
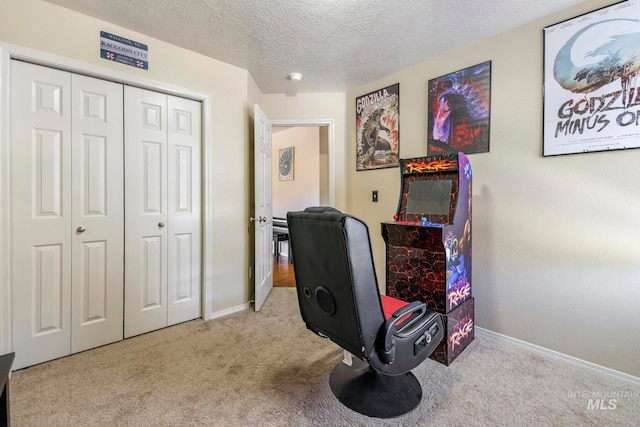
(458, 111)
(591, 93)
(378, 129)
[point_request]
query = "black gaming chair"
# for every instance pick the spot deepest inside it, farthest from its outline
(339, 299)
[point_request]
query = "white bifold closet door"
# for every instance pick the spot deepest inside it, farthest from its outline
(66, 158)
(162, 210)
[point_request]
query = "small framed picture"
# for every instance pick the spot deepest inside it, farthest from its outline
(285, 164)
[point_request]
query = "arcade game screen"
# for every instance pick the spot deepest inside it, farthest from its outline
(429, 197)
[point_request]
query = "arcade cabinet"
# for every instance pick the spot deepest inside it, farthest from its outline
(428, 245)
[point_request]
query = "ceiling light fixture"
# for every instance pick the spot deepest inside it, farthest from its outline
(295, 77)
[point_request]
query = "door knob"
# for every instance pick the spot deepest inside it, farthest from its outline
(161, 224)
(81, 229)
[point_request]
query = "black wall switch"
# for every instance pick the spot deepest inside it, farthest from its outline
(374, 196)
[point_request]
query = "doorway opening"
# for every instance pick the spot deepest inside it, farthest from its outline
(300, 179)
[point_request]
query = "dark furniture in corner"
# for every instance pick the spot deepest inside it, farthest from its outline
(339, 299)
(280, 234)
(6, 360)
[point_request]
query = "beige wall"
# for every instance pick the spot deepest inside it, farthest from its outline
(556, 241)
(49, 28)
(324, 166)
(304, 190)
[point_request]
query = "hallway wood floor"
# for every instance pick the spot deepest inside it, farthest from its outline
(283, 273)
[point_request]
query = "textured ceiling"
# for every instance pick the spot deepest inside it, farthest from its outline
(335, 44)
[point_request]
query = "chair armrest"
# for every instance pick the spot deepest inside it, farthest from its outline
(404, 322)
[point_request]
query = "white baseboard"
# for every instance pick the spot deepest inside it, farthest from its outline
(226, 312)
(601, 370)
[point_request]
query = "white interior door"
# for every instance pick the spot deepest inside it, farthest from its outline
(97, 213)
(40, 213)
(183, 283)
(162, 210)
(145, 211)
(67, 213)
(263, 219)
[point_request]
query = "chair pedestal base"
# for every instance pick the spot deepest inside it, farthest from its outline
(370, 393)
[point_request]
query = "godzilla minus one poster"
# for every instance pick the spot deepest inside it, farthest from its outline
(591, 90)
(378, 128)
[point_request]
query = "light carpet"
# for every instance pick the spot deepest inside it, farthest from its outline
(267, 369)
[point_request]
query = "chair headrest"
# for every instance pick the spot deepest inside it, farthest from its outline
(322, 209)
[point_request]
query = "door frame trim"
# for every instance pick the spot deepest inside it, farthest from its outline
(9, 52)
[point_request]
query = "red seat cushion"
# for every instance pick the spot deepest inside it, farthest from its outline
(390, 305)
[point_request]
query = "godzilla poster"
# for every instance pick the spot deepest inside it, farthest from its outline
(378, 128)
(591, 91)
(458, 111)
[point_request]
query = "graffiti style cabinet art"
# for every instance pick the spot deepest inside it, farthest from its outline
(428, 245)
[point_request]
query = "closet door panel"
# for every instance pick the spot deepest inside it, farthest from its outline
(184, 140)
(145, 211)
(98, 213)
(40, 161)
